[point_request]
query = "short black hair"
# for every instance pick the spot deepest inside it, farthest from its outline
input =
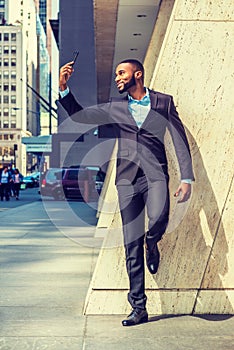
(138, 65)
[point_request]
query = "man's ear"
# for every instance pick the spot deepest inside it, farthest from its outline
(138, 74)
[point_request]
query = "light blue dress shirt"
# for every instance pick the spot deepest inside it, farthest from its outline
(64, 92)
(139, 108)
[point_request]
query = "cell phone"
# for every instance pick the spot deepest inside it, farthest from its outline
(75, 55)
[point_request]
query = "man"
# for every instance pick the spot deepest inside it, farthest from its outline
(139, 120)
(5, 180)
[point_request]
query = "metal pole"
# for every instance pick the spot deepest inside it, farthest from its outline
(50, 105)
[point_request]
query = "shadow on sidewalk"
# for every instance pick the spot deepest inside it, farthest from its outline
(212, 317)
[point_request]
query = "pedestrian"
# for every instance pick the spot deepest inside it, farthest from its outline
(17, 179)
(11, 185)
(139, 120)
(5, 182)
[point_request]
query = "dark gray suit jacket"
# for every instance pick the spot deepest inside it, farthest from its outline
(139, 147)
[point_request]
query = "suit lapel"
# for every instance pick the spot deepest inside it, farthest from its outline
(153, 100)
(127, 112)
(120, 111)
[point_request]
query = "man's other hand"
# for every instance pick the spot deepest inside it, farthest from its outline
(184, 191)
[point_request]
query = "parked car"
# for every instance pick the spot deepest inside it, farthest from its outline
(51, 183)
(31, 180)
(83, 183)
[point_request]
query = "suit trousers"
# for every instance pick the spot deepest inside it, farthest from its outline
(133, 200)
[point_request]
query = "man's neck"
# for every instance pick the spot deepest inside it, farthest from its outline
(137, 93)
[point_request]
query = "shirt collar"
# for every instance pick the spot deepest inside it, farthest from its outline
(144, 101)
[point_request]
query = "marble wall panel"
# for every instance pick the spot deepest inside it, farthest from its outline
(157, 38)
(215, 302)
(222, 10)
(219, 273)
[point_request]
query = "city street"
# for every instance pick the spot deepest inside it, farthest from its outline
(48, 252)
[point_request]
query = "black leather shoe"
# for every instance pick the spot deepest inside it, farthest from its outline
(152, 258)
(137, 316)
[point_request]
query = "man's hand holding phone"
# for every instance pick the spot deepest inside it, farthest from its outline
(66, 72)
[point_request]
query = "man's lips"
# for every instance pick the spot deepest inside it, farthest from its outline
(119, 85)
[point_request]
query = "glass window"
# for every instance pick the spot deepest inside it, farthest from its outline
(6, 99)
(5, 125)
(5, 137)
(6, 37)
(13, 87)
(13, 49)
(13, 74)
(13, 99)
(6, 112)
(12, 136)
(13, 112)
(13, 62)
(11, 151)
(5, 87)
(6, 74)
(13, 125)
(5, 49)
(13, 36)
(0, 62)
(6, 62)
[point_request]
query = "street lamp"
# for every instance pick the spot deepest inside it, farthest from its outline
(27, 110)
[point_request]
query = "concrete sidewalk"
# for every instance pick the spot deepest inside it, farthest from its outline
(46, 266)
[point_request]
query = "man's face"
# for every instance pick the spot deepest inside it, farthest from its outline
(125, 78)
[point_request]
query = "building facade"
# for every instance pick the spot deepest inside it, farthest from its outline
(13, 126)
(25, 74)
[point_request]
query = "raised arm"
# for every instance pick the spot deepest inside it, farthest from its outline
(67, 100)
(97, 115)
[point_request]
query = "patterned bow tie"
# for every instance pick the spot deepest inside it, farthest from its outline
(143, 102)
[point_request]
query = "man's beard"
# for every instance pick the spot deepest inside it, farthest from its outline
(132, 82)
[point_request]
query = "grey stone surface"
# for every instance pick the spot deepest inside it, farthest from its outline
(43, 343)
(44, 278)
